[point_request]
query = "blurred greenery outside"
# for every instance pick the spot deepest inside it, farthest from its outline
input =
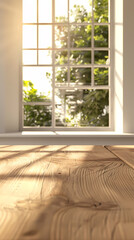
(78, 107)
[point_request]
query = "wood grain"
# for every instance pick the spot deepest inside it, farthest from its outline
(125, 153)
(66, 193)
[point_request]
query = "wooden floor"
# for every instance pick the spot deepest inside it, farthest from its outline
(67, 192)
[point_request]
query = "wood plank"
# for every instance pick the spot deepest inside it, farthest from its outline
(125, 153)
(65, 193)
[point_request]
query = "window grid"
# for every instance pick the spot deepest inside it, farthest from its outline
(68, 65)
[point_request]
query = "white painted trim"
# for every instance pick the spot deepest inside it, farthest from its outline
(66, 138)
(66, 134)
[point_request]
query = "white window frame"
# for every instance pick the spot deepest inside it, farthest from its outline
(10, 71)
(110, 86)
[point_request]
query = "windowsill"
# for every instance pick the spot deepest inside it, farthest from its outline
(65, 134)
(66, 138)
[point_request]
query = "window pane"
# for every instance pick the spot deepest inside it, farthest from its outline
(61, 75)
(82, 108)
(29, 36)
(101, 76)
(80, 76)
(80, 11)
(61, 36)
(45, 57)
(29, 11)
(37, 83)
(61, 10)
(45, 36)
(37, 116)
(80, 57)
(45, 11)
(101, 57)
(80, 36)
(101, 11)
(29, 57)
(61, 57)
(68, 57)
(101, 36)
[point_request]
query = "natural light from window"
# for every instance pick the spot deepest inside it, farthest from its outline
(66, 64)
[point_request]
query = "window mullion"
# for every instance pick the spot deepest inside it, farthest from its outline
(53, 64)
(37, 31)
(66, 24)
(92, 79)
(68, 46)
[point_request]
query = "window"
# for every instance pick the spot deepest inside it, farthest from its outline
(66, 64)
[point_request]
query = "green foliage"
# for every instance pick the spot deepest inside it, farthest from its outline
(30, 93)
(61, 19)
(101, 76)
(80, 14)
(101, 36)
(81, 75)
(101, 57)
(80, 57)
(101, 11)
(90, 109)
(93, 108)
(36, 115)
(61, 75)
(80, 36)
(84, 108)
(61, 57)
(61, 36)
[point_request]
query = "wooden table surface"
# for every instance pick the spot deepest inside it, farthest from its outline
(66, 192)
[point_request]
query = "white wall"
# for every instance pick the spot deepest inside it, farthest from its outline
(10, 52)
(10, 46)
(128, 69)
(118, 63)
